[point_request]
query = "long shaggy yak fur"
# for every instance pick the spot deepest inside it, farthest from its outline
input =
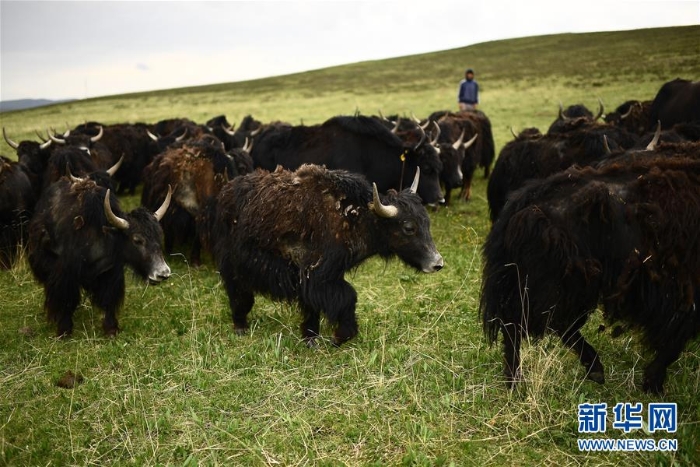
(626, 236)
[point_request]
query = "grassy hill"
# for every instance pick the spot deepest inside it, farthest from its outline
(418, 386)
(522, 81)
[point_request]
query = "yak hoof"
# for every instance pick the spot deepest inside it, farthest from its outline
(513, 380)
(312, 342)
(653, 386)
(597, 376)
(240, 331)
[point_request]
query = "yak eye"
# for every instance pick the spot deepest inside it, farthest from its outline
(138, 240)
(409, 228)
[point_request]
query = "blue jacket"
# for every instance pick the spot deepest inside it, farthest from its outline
(468, 92)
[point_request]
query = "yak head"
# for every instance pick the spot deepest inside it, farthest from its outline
(424, 157)
(142, 249)
(405, 222)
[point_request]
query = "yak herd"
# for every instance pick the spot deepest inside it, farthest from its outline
(599, 211)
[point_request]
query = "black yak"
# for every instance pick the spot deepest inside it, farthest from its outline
(293, 235)
(624, 237)
(17, 201)
(80, 238)
(359, 144)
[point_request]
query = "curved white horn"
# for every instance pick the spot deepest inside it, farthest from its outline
(601, 109)
(55, 139)
(45, 145)
(458, 143)
(72, 177)
(414, 185)
(512, 132)
(469, 143)
(152, 136)
(112, 170)
(387, 211)
(422, 138)
(628, 113)
(606, 145)
(99, 134)
(12, 144)
(561, 112)
(256, 131)
(182, 136)
(118, 222)
(381, 115)
(228, 131)
(437, 133)
(248, 146)
(414, 118)
(164, 207)
(396, 125)
(657, 135)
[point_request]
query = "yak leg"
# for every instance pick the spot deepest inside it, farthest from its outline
(586, 353)
(655, 372)
(107, 293)
(512, 336)
(337, 299)
(62, 298)
(311, 325)
(196, 252)
(240, 300)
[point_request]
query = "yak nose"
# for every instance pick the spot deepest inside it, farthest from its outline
(160, 274)
(437, 264)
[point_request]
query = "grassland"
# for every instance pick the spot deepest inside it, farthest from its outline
(419, 386)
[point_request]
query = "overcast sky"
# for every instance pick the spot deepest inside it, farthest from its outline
(62, 49)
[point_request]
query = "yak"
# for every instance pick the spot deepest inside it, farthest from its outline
(577, 141)
(677, 101)
(197, 170)
(624, 237)
(293, 235)
(17, 201)
(80, 238)
(359, 144)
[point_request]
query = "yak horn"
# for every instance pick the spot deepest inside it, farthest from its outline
(248, 146)
(97, 137)
(469, 143)
(256, 131)
(512, 132)
(55, 139)
(414, 185)
(422, 137)
(41, 137)
(396, 125)
(72, 177)
(8, 140)
(606, 145)
(458, 143)
(118, 222)
(381, 115)
(182, 136)
(561, 112)
(112, 170)
(437, 133)
(387, 211)
(45, 145)
(164, 207)
(601, 109)
(152, 136)
(657, 135)
(627, 114)
(229, 131)
(414, 118)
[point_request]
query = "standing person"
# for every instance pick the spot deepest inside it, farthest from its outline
(468, 96)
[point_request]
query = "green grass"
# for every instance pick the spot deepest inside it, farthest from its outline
(418, 386)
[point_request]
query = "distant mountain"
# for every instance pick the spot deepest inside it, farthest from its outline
(19, 104)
